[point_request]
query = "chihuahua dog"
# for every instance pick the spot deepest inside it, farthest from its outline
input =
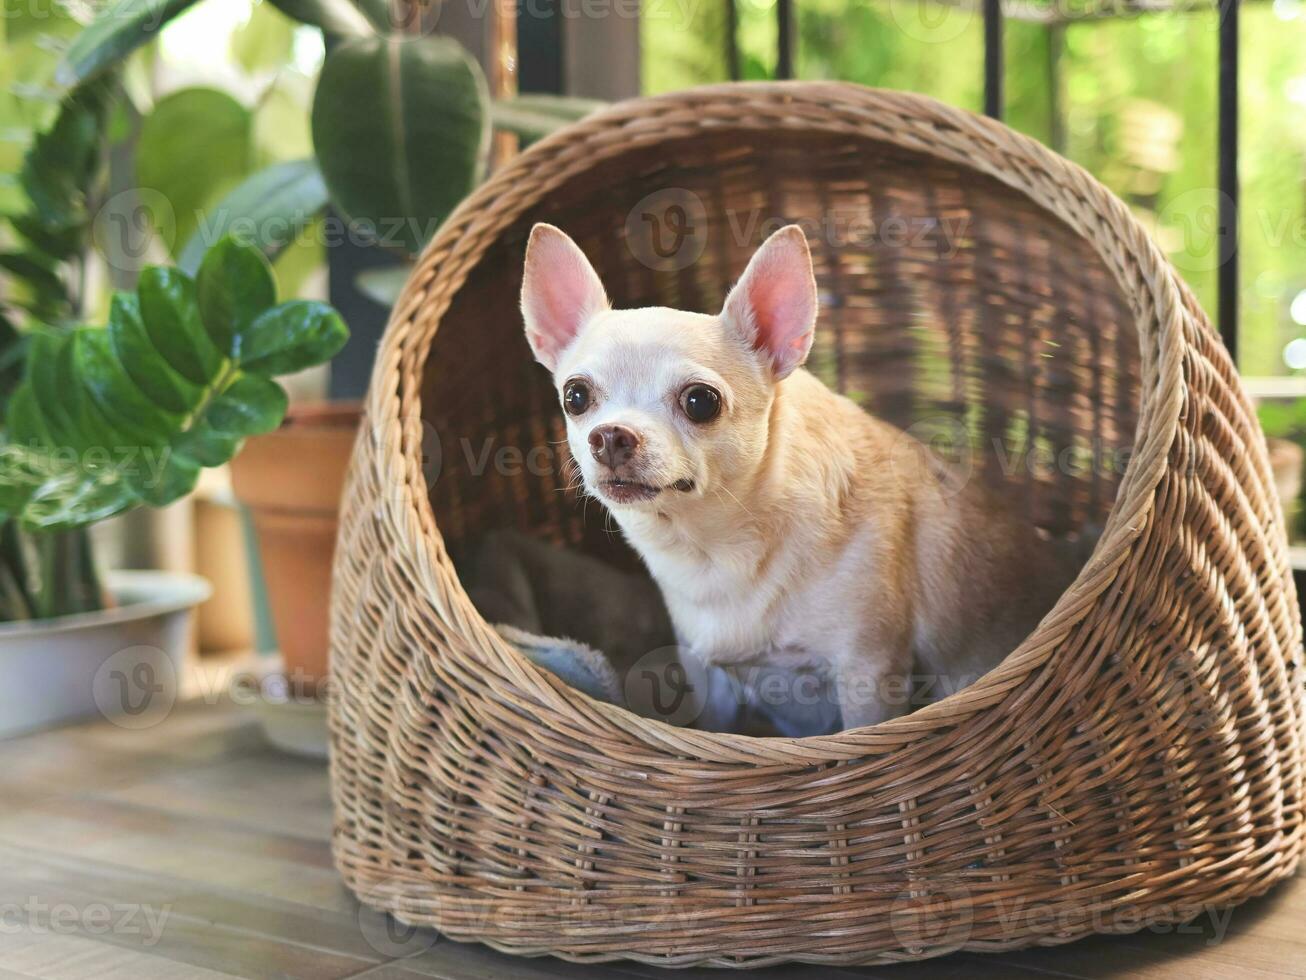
(784, 525)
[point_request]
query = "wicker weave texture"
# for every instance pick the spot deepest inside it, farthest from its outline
(1138, 757)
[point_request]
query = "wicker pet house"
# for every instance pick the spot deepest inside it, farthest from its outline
(1136, 759)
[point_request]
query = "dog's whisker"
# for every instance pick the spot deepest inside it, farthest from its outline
(738, 501)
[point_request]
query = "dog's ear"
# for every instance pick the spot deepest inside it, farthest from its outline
(560, 291)
(774, 303)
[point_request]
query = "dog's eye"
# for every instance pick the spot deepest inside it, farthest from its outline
(700, 403)
(576, 397)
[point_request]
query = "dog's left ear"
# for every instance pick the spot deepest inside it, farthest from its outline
(774, 303)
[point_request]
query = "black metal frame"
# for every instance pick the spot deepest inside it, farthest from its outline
(1227, 135)
(1227, 303)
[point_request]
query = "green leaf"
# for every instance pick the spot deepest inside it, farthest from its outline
(159, 480)
(121, 27)
(171, 316)
(108, 419)
(22, 471)
(206, 445)
(265, 41)
(249, 406)
(24, 19)
(48, 378)
(23, 423)
(126, 409)
(194, 147)
(147, 368)
(401, 132)
(234, 286)
(292, 336)
(533, 117)
(269, 209)
(70, 500)
(333, 16)
(58, 243)
(93, 437)
(39, 275)
(58, 170)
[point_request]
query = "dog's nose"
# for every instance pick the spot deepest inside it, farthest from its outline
(613, 445)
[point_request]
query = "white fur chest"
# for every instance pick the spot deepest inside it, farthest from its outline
(728, 604)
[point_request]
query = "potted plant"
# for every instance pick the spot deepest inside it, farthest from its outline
(106, 419)
(96, 421)
(401, 124)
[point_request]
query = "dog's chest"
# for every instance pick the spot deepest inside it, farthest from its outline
(731, 605)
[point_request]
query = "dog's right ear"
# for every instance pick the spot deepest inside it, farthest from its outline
(560, 291)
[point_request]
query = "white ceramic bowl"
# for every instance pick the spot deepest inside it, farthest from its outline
(123, 664)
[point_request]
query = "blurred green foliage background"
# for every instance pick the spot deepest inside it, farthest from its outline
(1130, 98)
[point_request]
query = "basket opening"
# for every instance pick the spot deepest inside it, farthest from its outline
(950, 305)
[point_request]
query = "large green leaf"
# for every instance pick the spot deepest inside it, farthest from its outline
(110, 419)
(50, 420)
(121, 27)
(124, 406)
(291, 337)
(147, 367)
(206, 444)
(269, 209)
(250, 405)
(172, 320)
(234, 286)
(159, 479)
(401, 132)
(23, 423)
(194, 148)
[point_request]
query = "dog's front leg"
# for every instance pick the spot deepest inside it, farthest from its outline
(874, 684)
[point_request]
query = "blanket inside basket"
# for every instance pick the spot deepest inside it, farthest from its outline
(606, 632)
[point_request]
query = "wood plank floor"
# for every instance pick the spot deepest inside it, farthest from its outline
(194, 850)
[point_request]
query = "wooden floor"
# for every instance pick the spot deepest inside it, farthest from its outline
(193, 850)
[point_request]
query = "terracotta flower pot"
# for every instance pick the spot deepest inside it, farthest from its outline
(291, 480)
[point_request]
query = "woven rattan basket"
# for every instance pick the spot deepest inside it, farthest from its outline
(1137, 758)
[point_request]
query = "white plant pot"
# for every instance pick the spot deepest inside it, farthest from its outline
(124, 664)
